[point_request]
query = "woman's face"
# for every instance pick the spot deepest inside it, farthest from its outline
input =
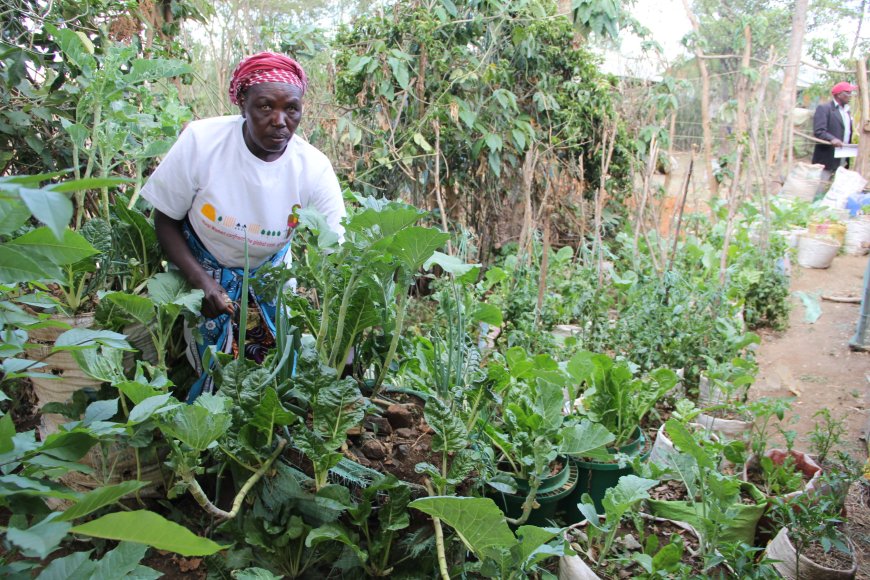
(272, 112)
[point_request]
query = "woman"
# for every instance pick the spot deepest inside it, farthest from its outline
(236, 181)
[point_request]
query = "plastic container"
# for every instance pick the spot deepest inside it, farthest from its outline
(551, 492)
(595, 477)
(817, 252)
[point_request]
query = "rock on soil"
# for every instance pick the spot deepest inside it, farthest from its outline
(399, 416)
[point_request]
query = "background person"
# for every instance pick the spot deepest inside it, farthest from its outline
(832, 122)
(236, 181)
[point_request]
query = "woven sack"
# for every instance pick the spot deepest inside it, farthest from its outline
(857, 241)
(802, 181)
(782, 550)
(817, 252)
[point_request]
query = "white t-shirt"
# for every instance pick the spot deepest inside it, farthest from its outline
(229, 194)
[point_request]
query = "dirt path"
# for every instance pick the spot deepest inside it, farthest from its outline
(812, 362)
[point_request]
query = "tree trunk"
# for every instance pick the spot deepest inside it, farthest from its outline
(705, 104)
(783, 126)
(862, 127)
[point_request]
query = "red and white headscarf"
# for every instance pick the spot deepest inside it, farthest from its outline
(266, 67)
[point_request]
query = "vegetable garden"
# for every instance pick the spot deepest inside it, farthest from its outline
(506, 368)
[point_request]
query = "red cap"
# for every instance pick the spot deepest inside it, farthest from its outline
(843, 87)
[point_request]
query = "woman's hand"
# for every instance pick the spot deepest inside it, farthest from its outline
(215, 302)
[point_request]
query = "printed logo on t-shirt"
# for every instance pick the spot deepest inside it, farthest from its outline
(257, 234)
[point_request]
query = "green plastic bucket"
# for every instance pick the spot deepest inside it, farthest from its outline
(595, 478)
(552, 492)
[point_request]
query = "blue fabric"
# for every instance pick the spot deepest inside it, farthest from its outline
(218, 332)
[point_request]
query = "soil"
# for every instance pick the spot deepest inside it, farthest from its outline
(673, 490)
(834, 559)
(628, 542)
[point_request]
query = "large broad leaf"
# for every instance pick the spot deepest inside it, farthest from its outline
(104, 364)
(144, 410)
(337, 408)
(477, 520)
(81, 338)
(630, 490)
(171, 288)
(270, 413)
(587, 439)
(549, 403)
(589, 367)
(18, 265)
(41, 243)
(197, 426)
(52, 208)
(450, 433)
(487, 313)
(39, 540)
(68, 445)
(148, 528)
(414, 245)
(450, 264)
(383, 223)
(76, 566)
(99, 498)
(13, 215)
(123, 562)
(334, 533)
(139, 308)
(532, 545)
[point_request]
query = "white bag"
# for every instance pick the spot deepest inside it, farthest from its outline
(857, 236)
(846, 183)
(802, 181)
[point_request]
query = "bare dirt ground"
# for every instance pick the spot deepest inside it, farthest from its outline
(812, 362)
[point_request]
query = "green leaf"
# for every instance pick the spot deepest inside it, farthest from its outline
(254, 574)
(587, 439)
(531, 540)
(100, 498)
(104, 364)
(630, 490)
(685, 442)
(337, 408)
(68, 248)
(494, 142)
(420, 140)
(137, 392)
(82, 338)
(414, 245)
(171, 288)
(100, 411)
(39, 540)
(334, 533)
(13, 215)
(88, 183)
(669, 556)
(386, 221)
(140, 308)
(7, 432)
(52, 208)
(487, 313)
(196, 426)
(145, 527)
(144, 410)
(76, 566)
(270, 413)
(400, 71)
(450, 433)
(19, 265)
(158, 68)
(450, 264)
(477, 520)
(357, 63)
(68, 445)
(120, 562)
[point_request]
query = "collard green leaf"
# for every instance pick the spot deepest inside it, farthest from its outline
(66, 249)
(171, 288)
(630, 490)
(587, 439)
(145, 527)
(414, 245)
(337, 408)
(477, 520)
(98, 233)
(384, 222)
(450, 264)
(450, 432)
(487, 313)
(100, 498)
(196, 426)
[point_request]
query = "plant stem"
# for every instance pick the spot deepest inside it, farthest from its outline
(528, 504)
(202, 499)
(439, 538)
(394, 342)
(339, 326)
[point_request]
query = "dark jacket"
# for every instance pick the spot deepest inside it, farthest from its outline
(827, 125)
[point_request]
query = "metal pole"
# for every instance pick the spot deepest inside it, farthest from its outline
(859, 341)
